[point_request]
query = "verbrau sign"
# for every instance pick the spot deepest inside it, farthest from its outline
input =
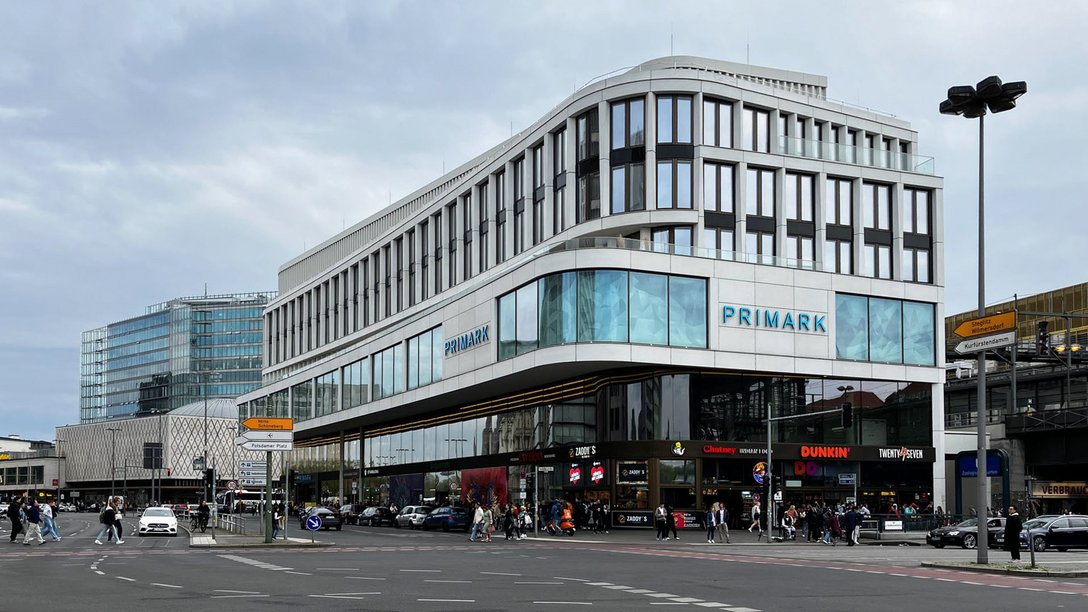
(984, 326)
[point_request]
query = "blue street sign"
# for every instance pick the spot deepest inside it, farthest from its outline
(968, 464)
(313, 523)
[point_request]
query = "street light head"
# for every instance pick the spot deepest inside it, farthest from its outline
(990, 87)
(1015, 89)
(961, 94)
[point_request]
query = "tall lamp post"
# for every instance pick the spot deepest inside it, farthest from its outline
(972, 103)
(113, 459)
(57, 450)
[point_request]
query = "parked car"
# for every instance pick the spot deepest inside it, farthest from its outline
(447, 518)
(158, 521)
(329, 519)
(4, 507)
(412, 516)
(349, 513)
(1060, 532)
(375, 516)
(965, 534)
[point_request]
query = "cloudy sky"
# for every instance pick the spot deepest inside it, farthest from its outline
(149, 148)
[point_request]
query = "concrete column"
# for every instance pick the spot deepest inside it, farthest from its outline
(858, 244)
(819, 216)
(780, 233)
(549, 186)
(937, 417)
(508, 218)
(896, 221)
(740, 238)
(604, 116)
(570, 204)
(651, 153)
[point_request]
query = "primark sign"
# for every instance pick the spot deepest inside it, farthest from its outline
(467, 340)
(752, 317)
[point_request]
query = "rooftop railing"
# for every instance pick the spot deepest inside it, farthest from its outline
(849, 154)
(631, 244)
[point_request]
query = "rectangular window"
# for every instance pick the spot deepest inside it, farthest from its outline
(519, 206)
(628, 124)
(424, 362)
(916, 265)
(915, 211)
(761, 245)
(538, 194)
(559, 163)
(797, 193)
(675, 239)
(411, 268)
(436, 223)
(424, 258)
(839, 202)
(451, 238)
(717, 123)
(589, 197)
(674, 184)
(500, 217)
(481, 202)
(387, 264)
(838, 256)
(759, 199)
(628, 188)
(877, 261)
(376, 258)
(588, 135)
(466, 224)
(398, 271)
(720, 241)
(756, 134)
(674, 119)
(718, 187)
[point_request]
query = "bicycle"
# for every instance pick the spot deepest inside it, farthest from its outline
(196, 523)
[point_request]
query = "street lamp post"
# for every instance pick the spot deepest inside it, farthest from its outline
(971, 103)
(57, 451)
(113, 459)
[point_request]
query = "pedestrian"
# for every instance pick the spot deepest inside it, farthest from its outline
(488, 524)
(755, 520)
(722, 523)
(477, 522)
(852, 522)
(1013, 526)
(711, 521)
(508, 523)
(276, 515)
(670, 518)
(106, 518)
(33, 523)
(49, 521)
(661, 522)
(15, 514)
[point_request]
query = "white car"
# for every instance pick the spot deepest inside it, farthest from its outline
(412, 516)
(158, 521)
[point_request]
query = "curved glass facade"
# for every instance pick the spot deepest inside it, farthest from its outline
(603, 306)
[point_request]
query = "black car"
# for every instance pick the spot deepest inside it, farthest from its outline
(1060, 532)
(447, 518)
(329, 519)
(376, 516)
(349, 513)
(965, 534)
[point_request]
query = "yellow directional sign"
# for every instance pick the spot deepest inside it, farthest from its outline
(984, 326)
(268, 424)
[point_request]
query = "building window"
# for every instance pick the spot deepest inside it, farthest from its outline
(500, 217)
(884, 330)
(387, 372)
(588, 204)
(425, 356)
(838, 257)
(387, 263)
(376, 258)
(356, 387)
(759, 200)
(628, 188)
(451, 239)
(676, 239)
(365, 265)
(466, 223)
(915, 211)
(917, 243)
(876, 214)
(717, 123)
(519, 206)
(436, 223)
(411, 268)
(719, 241)
(589, 197)
(424, 257)
(481, 199)
(559, 164)
(628, 124)
(839, 202)
(718, 188)
(756, 132)
(838, 214)
(398, 260)
(538, 195)
(674, 184)
(588, 135)
(800, 213)
(674, 119)
(326, 392)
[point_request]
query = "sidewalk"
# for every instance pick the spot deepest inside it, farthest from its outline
(1050, 569)
(739, 537)
(225, 539)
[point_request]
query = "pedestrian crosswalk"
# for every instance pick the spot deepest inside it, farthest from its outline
(668, 598)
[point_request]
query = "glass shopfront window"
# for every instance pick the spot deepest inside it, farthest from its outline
(424, 361)
(884, 330)
(302, 401)
(603, 306)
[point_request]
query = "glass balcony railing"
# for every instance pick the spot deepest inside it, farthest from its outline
(847, 154)
(630, 244)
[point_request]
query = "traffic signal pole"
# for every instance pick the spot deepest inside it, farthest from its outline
(268, 497)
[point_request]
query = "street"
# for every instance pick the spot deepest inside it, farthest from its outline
(391, 569)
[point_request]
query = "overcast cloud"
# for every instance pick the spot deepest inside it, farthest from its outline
(149, 148)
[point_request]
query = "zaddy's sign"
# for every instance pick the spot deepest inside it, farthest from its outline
(467, 340)
(772, 318)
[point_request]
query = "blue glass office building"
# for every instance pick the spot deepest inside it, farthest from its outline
(176, 353)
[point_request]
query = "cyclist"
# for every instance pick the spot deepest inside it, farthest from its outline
(203, 513)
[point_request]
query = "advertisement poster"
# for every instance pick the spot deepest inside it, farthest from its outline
(405, 489)
(484, 485)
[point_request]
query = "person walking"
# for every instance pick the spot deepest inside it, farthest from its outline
(106, 518)
(756, 524)
(15, 514)
(852, 522)
(711, 521)
(49, 521)
(722, 523)
(33, 523)
(477, 522)
(488, 524)
(1013, 526)
(661, 522)
(671, 519)
(276, 515)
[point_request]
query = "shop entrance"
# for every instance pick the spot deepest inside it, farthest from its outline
(735, 501)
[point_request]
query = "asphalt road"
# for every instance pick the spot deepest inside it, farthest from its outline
(389, 569)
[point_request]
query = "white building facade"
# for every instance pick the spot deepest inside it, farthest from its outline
(623, 293)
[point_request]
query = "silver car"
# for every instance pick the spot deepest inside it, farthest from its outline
(411, 516)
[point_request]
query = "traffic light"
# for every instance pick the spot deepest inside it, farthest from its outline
(209, 476)
(1042, 341)
(847, 415)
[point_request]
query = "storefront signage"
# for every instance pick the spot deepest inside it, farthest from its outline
(5, 456)
(826, 452)
(678, 449)
(582, 452)
(770, 318)
(902, 453)
(632, 473)
(1041, 488)
(687, 520)
(371, 472)
(759, 472)
(631, 519)
(968, 465)
(597, 474)
(575, 474)
(806, 468)
(467, 340)
(714, 449)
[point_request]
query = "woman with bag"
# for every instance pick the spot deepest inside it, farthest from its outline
(488, 524)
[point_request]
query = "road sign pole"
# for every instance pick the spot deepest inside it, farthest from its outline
(268, 498)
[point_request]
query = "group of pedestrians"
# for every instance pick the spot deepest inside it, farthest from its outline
(513, 520)
(110, 519)
(33, 519)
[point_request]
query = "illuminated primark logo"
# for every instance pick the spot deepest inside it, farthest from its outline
(770, 318)
(467, 340)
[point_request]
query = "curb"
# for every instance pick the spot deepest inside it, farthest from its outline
(1011, 571)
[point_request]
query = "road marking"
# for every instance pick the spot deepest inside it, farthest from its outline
(362, 578)
(685, 599)
(100, 573)
(337, 569)
(1001, 586)
(947, 580)
(618, 587)
(1064, 592)
(337, 596)
(1031, 589)
(742, 609)
(660, 595)
(599, 583)
(297, 573)
(499, 574)
(900, 575)
(235, 596)
(667, 603)
(421, 570)
(562, 578)
(536, 582)
(451, 600)
(711, 604)
(232, 591)
(125, 579)
(169, 586)
(564, 603)
(450, 581)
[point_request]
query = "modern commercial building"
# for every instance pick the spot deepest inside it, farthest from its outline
(610, 304)
(174, 354)
(28, 467)
(1043, 432)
